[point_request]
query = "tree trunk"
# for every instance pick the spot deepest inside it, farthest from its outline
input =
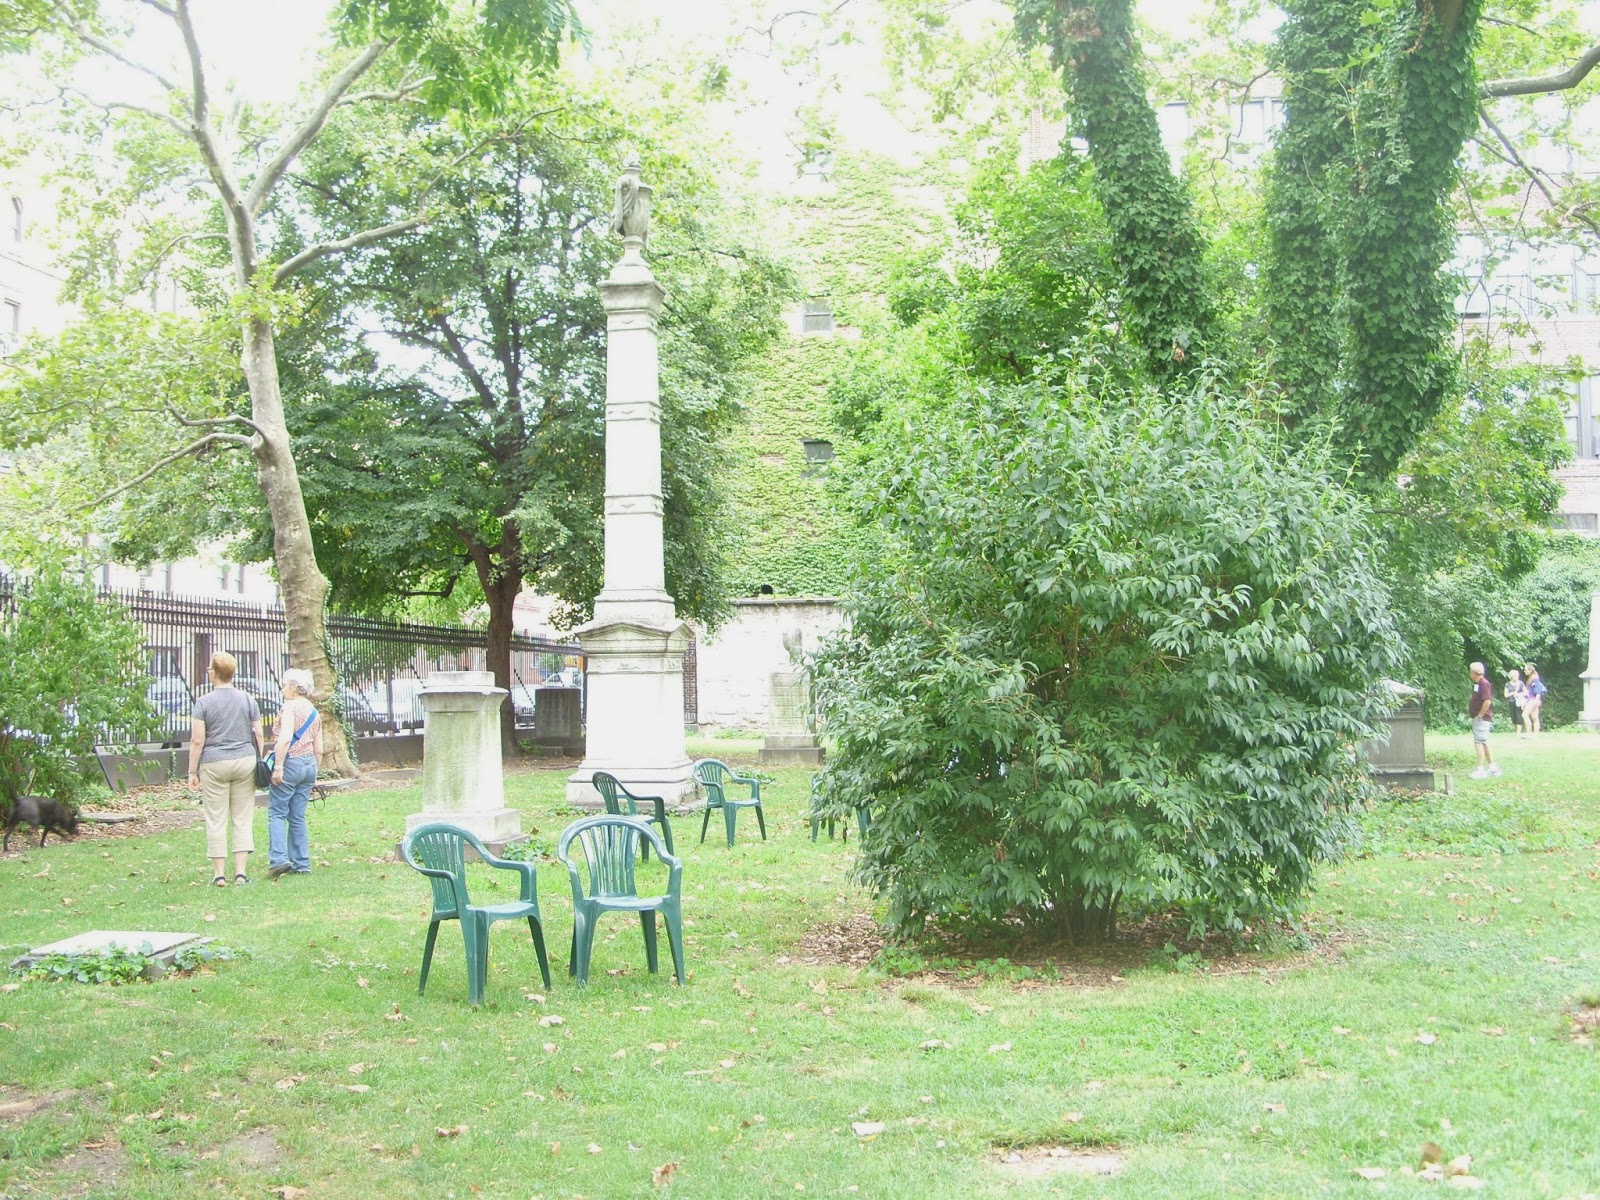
(500, 574)
(302, 584)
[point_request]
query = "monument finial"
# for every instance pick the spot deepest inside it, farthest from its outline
(631, 219)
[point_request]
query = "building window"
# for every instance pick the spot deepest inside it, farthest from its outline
(1579, 522)
(238, 580)
(1583, 421)
(11, 319)
(818, 454)
(16, 219)
(817, 317)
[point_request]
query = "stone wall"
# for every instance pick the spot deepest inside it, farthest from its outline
(736, 663)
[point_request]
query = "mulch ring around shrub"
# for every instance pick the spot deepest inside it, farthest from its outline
(858, 941)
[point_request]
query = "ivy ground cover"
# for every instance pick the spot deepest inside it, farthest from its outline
(1444, 998)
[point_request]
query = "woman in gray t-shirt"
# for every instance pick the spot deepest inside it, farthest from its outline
(222, 767)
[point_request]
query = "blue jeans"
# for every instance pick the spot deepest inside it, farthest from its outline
(287, 840)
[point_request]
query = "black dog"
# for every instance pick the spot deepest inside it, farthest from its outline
(43, 813)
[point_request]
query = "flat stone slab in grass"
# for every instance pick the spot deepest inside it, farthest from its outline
(164, 947)
(107, 818)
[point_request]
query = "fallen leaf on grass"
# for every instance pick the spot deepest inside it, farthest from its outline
(1492, 1031)
(1467, 1183)
(1072, 1118)
(449, 1131)
(593, 1148)
(357, 1087)
(1370, 1172)
(663, 1174)
(552, 1019)
(1275, 1108)
(361, 981)
(289, 1192)
(656, 1047)
(394, 1014)
(868, 1128)
(10, 987)
(1000, 1048)
(288, 1084)
(1460, 1165)
(1426, 1039)
(555, 1149)
(416, 1150)
(727, 1064)
(356, 1068)
(934, 1044)
(1341, 1031)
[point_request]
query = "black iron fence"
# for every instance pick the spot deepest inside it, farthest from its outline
(382, 665)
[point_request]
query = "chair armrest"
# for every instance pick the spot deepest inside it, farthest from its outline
(530, 877)
(749, 781)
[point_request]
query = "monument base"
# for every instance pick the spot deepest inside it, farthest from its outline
(791, 750)
(1408, 779)
(490, 825)
(674, 784)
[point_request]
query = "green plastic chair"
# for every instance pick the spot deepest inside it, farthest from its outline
(818, 817)
(608, 845)
(439, 851)
(620, 802)
(713, 775)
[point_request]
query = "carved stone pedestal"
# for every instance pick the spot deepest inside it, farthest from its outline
(1589, 718)
(462, 779)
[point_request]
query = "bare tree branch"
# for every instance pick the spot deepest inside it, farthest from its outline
(239, 223)
(302, 137)
(203, 422)
(1539, 179)
(108, 106)
(194, 447)
(164, 9)
(355, 241)
(111, 50)
(1570, 78)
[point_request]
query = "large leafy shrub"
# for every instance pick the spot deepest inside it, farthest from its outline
(1114, 658)
(70, 676)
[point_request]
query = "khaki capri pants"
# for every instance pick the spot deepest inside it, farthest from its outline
(228, 793)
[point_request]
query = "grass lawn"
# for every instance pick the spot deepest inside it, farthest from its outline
(1434, 1005)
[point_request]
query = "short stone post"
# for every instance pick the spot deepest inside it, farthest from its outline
(462, 780)
(1589, 718)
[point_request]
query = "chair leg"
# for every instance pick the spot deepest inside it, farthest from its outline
(476, 937)
(704, 821)
(537, 930)
(674, 921)
(427, 956)
(666, 833)
(762, 822)
(648, 920)
(572, 953)
(730, 817)
(585, 950)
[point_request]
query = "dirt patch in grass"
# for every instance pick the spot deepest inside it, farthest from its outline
(858, 941)
(1041, 1162)
(255, 1148)
(18, 1105)
(92, 1169)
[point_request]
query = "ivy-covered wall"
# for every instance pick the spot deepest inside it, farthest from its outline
(796, 539)
(842, 236)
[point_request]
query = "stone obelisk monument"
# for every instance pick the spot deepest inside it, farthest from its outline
(635, 643)
(1589, 718)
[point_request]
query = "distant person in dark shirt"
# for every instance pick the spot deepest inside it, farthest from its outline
(1480, 711)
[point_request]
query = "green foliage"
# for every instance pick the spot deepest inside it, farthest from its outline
(1380, 103)
(73, 677)
(1111, 658)
(1554, 601)
(113, 966)
(1168, 302)
(792, 536)
(197, 955)
(487, 459)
